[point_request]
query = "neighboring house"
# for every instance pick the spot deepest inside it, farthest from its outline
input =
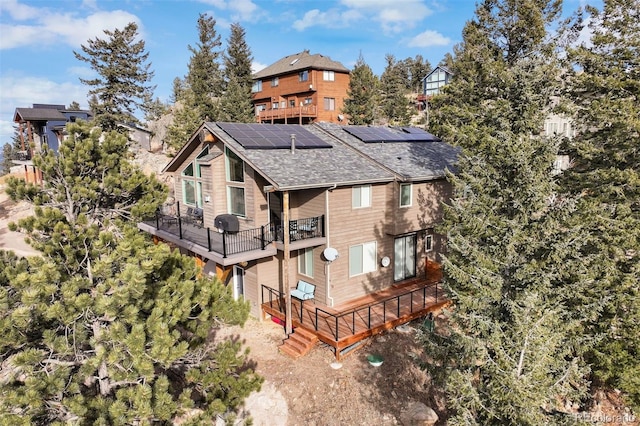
(43, 125)
(432, 83)
(300, 89)
(349, 210)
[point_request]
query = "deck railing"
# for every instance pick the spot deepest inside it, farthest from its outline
(392, 308)
(301, 229)
(363, 313)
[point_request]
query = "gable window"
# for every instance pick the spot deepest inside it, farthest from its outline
(235, 167)
(275, 81)
(361, 196)
(328, 76)
(203, 153)
(190, 193)
(303, 75)
(329, 104)
(405, 194)
(305, 262)
(257, 86)
(362, 258)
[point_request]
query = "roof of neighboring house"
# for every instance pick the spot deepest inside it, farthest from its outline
(408, 160)
(300, 61)
(45, 112)
(348, 161)
(38, 114)
(439, 67)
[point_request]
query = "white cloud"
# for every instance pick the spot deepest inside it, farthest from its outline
(394, 15)
(18, 11)
(50, 28)
(332, 18)
(245, 10)
(257, 66)
(429, 38)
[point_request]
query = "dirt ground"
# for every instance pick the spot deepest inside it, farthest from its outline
(317, 394)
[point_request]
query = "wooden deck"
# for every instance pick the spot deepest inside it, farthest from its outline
(343, 326)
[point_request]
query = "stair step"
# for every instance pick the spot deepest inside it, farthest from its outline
(289, 350)
(305, 334)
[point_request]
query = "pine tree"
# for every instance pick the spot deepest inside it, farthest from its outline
(605, 90)
(10, 151)
(362, 96)
(123, 343)
(417, 69)
(106, 327)
(511, 350)
(393, 88)
(187, 117)
(205, 77)
(236, 105)
(123, 76)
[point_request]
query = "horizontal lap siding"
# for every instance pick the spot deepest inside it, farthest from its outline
(350, 226)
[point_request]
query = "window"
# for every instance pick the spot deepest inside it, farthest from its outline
(307, 101)
(303, 75)
(361, 196)
(305, 262)
(328, 76)
(257, 86)
(189, 191)
(362, 258)
(428, 243)
(275, 81)
(235, 167)
(292, 103)
(235, 199)
(329, 104)
(275, 105)
(405, 194)
(203, 153)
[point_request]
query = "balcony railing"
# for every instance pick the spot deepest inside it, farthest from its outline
(189, 227)
(291, 112)
(21, 155)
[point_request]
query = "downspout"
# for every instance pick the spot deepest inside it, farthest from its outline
(327, 274)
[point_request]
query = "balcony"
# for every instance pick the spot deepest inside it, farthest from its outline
(305, 111)
(229, 248)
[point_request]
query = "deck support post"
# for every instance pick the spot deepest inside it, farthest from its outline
(287, 256)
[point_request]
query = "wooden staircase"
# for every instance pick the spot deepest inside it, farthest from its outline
(299, 343)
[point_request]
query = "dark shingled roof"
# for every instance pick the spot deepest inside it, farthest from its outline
(39, 114)
(408, 160)
(300, 61)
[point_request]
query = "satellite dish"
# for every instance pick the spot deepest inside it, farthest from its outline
(385, 261)
(330, 254)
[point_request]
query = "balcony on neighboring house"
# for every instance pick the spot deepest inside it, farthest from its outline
(289, 114)
(228, 248)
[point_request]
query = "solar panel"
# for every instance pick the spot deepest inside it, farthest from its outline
(272, 136)
(390, 134)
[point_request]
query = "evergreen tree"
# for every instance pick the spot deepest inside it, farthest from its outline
(186, 119)
(123, 76)
(74, 106)
(446, 61)
(205, 77)
(10, 151)
(154, 108)
(178, 88)
(511, 353)
(605, 176)
(362, 95)
(122, 343)
(106, 327)
(393, 87)
(417, 69)
(236, 105)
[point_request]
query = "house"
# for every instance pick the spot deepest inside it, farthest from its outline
(349, 210)
(437, 78)
(42, 125)
(300, 89)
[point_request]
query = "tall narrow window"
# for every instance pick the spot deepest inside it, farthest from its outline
(274, 82)
(405, 194)
(361, 196)
(305, 262)
(235, 167)
(257, 86)
(235, 199)
(303, 75)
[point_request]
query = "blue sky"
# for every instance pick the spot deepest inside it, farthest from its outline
(37, 38)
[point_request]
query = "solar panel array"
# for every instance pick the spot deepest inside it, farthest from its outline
(390, 134)
(272, 136)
